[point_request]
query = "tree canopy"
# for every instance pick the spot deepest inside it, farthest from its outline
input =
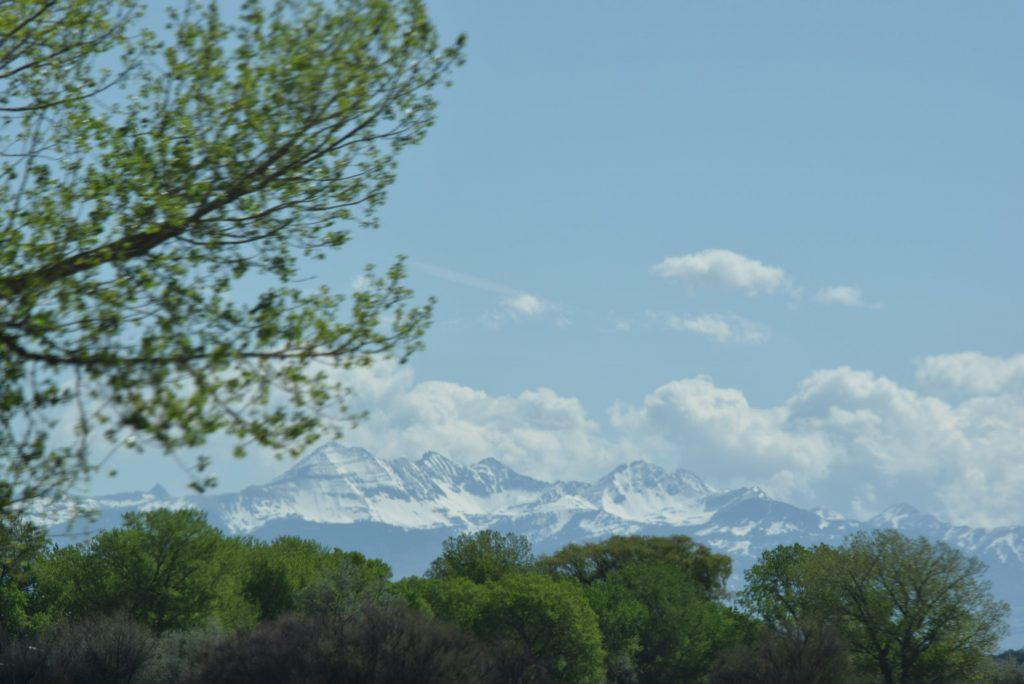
(483, 556)
(171, 599)
(910, 610)
(159, 195)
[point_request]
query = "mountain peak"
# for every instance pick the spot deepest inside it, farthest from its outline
(902, 516)
(439, 463)
(332, 460)
(634, 471)
(158, 492)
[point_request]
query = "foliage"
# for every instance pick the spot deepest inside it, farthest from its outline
(656, 599)
(22, 546)
(176, 653)
(589, 563)
(551, 618)
(151, 243)
(160, 567)
(914, 610)
(622, 618)
(382, 647)
(801, 653)
(275, 574)
(351, 586)
(680, 631)
(1006, 668)
(547, 616)
(910, 610)
(100, 648)
(166, 598)
(456, 600)
(482, 557)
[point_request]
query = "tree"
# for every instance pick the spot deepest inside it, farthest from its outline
(22, 546)
(548, 616)
(588, 563)
(382, 647)
(914, 611)
(163, 568)
(910, 610)
(551, 618)
(777, 587)
(352, 584)
(151, 245)
(802, 652)
(482, 557)
(274, 574)
(656, 601)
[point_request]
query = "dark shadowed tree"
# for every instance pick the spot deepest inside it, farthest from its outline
(802, 652)
(381, 647)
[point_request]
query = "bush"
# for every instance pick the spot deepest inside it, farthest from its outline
(385, 646)
(812, 653)
(95, 650)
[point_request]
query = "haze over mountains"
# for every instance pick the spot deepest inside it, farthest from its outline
(401, 510)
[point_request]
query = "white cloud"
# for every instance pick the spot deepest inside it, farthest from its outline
(847, 439)
(841, 294)
(524, 304)
(537, 432)
(971, 373)
(716, 433)
(723, 268)
(721, 328)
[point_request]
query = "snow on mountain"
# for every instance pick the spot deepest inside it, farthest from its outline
(401, 509)
(343, 485)
(641, 492)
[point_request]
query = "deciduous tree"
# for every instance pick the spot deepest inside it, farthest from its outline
(910, 610)
(159, 197)
(482, 556)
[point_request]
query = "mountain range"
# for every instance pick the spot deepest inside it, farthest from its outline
(401, 510)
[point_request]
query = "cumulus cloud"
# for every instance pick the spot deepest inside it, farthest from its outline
(537, 431)
(524, 304)
(972, 373)
(847, 439)
(723, 268)
(715, 432)
(721, 328)
(841, 294)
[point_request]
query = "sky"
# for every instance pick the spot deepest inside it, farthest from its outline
(774, 244)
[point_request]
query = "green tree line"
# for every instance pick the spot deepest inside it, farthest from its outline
(167, 597)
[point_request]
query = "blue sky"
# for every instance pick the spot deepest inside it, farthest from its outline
(772, 243)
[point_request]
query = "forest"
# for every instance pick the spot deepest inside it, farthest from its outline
(167, 597)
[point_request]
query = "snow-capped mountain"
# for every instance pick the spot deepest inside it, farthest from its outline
(401, 510)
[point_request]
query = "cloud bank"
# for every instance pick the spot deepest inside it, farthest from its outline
(846, 439)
